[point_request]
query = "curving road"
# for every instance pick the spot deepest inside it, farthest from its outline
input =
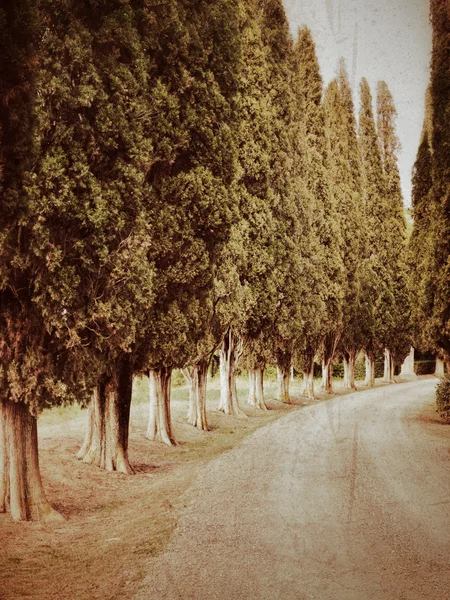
(348, 499)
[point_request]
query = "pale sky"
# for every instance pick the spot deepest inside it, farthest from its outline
(379, 39)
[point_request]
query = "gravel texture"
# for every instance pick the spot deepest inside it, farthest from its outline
(348, 499)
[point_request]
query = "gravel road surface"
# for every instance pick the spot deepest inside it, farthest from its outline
(348, 499)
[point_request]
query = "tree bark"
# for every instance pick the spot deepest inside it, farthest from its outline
(327, 376)
(439, 370)
(308, 380)
(230, 354)
(407, 369)
(159, 424)
(197, 379)
(349, 370)
(284, 361)
(251, 386)
(388, 375)
(256, 391)
(370, 371)
(283, 380)
(21, 489)
(330, 344)
(106, 440)
(4, 463)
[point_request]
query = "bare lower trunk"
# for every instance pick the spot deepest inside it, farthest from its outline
(370, 371)
(21, 486)
(159, 423)
(329, 350)
(4, 471)
(407, 368)
(388, 375)
(308, 381)
(256, 391)
(229, 358)
(197, 395)
(106, 441)
(251, 386)
(439, 370)
(327, 376)
(283, 381)
(349, 371)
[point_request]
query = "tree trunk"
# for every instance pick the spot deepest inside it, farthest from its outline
(388, 375)
(329, 350)
(159, 424)
(327, 376)
(370, 371)
(349, 371)
(21, 489)
(284, 361)
(106, 441)
(407, 369)
(256, 391)
(251, 387)
(283, 380)
(439, 370)
(4, 471)
(230, 354)
(308, 381)
(197, 378)
(391, 367)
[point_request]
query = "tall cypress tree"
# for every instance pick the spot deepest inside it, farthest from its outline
(81, 232)
(257, 143)
(291, 210)
(191, 189)
(423, 239)
(398, 336)
(346, 175)
(440, 103)
(377, 211)
(324, 296)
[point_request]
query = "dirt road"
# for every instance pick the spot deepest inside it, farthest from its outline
(348, 499)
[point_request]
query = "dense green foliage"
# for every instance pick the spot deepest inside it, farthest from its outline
(173, 173)
(323, 276)
(345, 170)
(443, 399)
(430, 240)
(398, 335)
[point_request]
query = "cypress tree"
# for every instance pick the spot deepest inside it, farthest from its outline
(429, 244)
(291, 210)
(398, 335)
(423, 240)
(377, 210)
(324, 294)
(345, 172)
(440, 102)
(81, 229)
(257, 143)
(192, 193)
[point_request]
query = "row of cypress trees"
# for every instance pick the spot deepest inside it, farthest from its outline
(175, 180)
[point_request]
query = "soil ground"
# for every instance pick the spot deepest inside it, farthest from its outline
(116, 524)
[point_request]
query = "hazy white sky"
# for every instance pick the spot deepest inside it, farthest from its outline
(379, 39)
